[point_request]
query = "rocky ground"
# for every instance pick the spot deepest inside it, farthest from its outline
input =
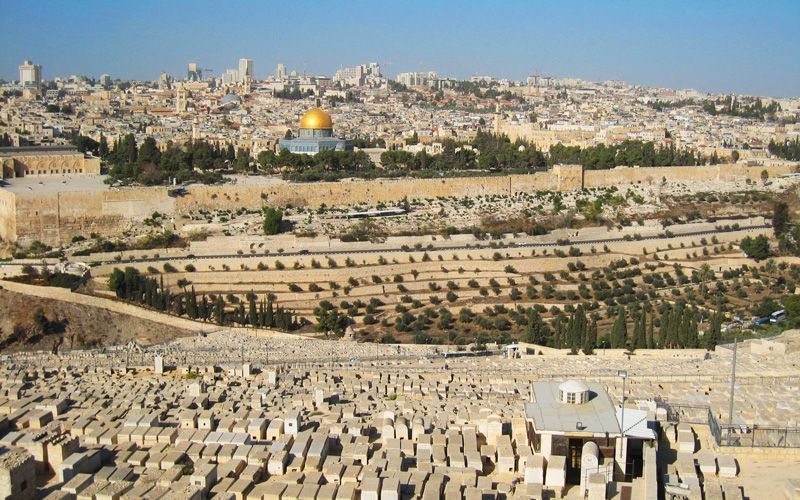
(71, 325)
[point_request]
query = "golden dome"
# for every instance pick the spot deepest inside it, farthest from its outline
(316, 119)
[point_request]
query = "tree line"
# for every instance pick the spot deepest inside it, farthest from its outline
(788, 150)
(205, 162)
(129, 284)
(735, 107)
(677, 329)
(147, 164)
(627, 153)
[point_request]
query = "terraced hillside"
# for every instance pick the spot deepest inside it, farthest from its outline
(432, 293)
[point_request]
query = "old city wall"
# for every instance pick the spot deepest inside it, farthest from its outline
(654, 175)
(372, 192)
(56, 217)
(8, 216)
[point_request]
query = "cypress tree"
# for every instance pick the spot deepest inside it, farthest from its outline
(219, 310)
(252, 313)
(590, 340)
(240, 317)
(203, 308)
(536, 331)
(619, 333)
(269, 320)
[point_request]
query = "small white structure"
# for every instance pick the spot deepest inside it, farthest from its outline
(573, 392)
(590, 463)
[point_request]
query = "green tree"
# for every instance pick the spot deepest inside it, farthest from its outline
(219, 310)
(756, 248)
(272, 220)
(791, 305)
(619, 332)
(536, 331)
(780, 218)
(148, 152)
(590, 341)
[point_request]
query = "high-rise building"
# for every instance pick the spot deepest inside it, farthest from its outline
(194, 73)
(230, 77)
(280, 72)
(418, 79)
(245, 70)
(358, 75)
(105, 81)
(30, 75)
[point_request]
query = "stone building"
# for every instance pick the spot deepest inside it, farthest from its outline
(316, 135)
(46, 160)
(17, 475)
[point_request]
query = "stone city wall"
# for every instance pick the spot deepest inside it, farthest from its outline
(561, 178)
(55, 218)
(654, 175)
(8, 215)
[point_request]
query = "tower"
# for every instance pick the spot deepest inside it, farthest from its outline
(245, 70)
(30, 75)
(194, 73)
(181, 100)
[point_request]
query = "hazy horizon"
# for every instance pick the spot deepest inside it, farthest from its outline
(739, 47)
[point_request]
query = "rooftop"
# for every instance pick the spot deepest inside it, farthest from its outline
(38, 150)
(56, 184)
(597, 416)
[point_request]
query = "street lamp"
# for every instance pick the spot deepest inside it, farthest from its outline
(623, 374)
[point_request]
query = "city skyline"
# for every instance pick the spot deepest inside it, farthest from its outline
(745, 48)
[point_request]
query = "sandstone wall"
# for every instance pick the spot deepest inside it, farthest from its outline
(703, 173)
(55, 218)
(372, 192)
(8, 216)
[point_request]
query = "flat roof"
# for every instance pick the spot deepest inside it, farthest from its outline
(597, 416)
(56, 183)
(38, 150)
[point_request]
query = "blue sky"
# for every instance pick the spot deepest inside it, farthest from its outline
(725, 46)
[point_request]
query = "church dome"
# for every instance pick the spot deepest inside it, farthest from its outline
(316, 119)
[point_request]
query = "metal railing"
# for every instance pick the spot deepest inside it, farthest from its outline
(737, 435)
